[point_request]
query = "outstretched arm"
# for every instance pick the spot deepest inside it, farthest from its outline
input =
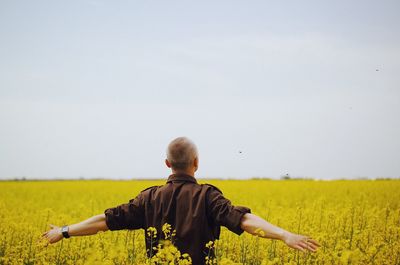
(87, 227)
(255, 225)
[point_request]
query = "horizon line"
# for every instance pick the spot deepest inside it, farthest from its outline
(200, 178)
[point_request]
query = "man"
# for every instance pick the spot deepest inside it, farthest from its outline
(195, 211)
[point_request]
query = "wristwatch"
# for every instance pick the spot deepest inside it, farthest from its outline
(64, 231)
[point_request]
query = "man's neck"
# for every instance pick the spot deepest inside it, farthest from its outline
(185, 172)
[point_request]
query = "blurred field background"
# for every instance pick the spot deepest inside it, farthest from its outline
(357, 222)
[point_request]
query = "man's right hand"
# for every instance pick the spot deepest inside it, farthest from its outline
(300, 242)
(253, 224)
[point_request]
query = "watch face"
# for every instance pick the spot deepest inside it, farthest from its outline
(64, 231)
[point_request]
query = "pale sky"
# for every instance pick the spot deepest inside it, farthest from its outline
(264, 88)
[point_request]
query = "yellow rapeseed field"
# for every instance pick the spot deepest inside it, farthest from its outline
(356, 222)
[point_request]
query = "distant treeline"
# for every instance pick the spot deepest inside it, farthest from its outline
(158, 179)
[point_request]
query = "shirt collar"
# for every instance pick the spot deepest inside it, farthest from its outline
(181, 177)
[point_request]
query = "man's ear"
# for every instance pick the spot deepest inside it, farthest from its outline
(196, 163)
(167, 163)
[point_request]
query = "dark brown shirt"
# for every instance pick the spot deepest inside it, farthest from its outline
(195, 211)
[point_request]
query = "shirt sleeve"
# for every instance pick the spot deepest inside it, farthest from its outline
(126, 216)
(224, 213)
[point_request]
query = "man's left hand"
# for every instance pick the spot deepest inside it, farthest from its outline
(53, 235)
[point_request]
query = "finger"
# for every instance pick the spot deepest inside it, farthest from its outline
(45, 233)
(310, 247)
(314, 245)
(314, 242)
(300, 248)
(314, 248)
(303, 245)
(306, 246)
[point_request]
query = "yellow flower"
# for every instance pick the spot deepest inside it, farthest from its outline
(152, 232)
(210, 244)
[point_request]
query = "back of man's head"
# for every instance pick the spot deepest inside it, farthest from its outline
(181, 153)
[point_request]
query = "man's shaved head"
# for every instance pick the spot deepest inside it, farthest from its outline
(181, 153)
